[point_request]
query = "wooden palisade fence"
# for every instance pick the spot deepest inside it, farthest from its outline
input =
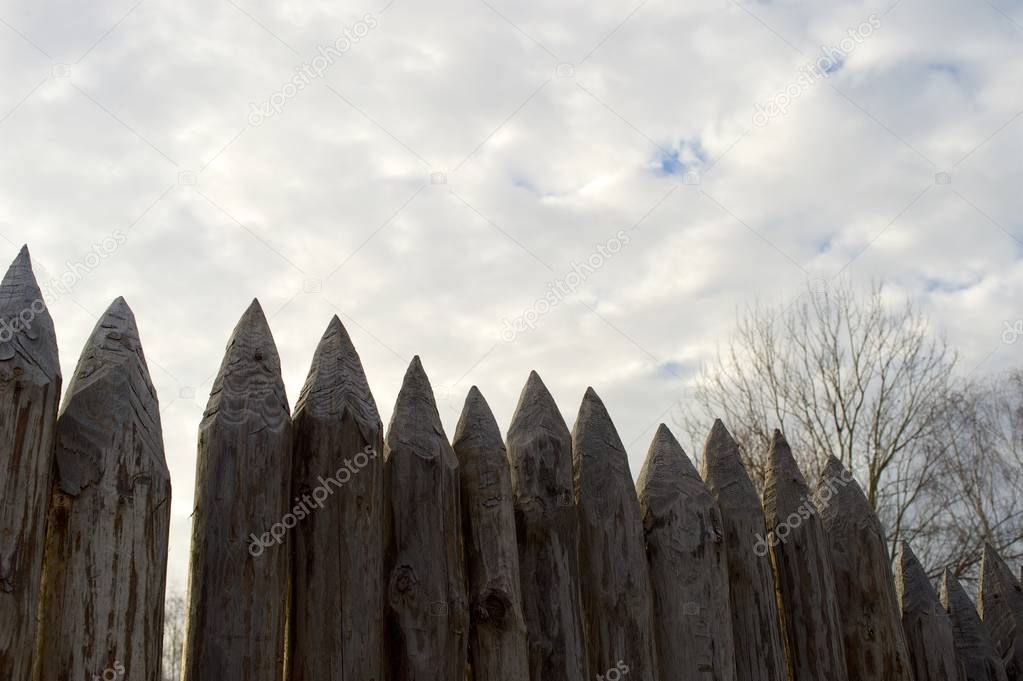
(325, 550)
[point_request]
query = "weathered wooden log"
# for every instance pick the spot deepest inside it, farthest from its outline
(1001, 609)
(427, 624)
(106, 547)
(30, 382)
(338, 483)
(928, 629)
(802, 564)
(540, 453)
(615, 579)
(238, 577)
(497, 635)
(974, 647)
(756, 626)
(875, 645)
(688, 566)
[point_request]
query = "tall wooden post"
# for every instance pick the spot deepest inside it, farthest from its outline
(540, 453)
(427, 626)
(338, 482)
(1001, 608)
(928, 629)
(238, 579)
(617, 600)
(756, 627)
(29, 391)
(974, 648)
(497, 635)
(875, 645)
(688, 566)
(802, 564)
(106, 548)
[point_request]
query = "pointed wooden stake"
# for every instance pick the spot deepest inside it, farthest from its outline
(802, 566)
(106, 549)
(1001, 608)
(497, 639)
(756, 627)
(617, 600)
(540, 453)
(29, 390)
(338, 483)
(974, 648)
(928, 629)
(428, 623)
(238, 581)
(875, 645)
(688, 566)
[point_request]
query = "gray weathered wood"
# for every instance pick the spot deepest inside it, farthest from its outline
(756, 627)
(615, 579)
(540, 453)
(29, 392)
(802, 565)
(106, 548)
(974, 648)
(338, 481)
(928, 629)
(497, 635)
(875, 645)
(1001, 608)
(427, 624)
(688, 566)
(238, 579)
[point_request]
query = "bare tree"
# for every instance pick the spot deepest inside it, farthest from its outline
(173, 635)
(854, 376)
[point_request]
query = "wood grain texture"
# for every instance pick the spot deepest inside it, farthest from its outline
(756, 626)
(875, 645)
(802, 568)
(928, 629)
(30, 382)
(106, 550)
(1001, 609)
(688, 566)
(974, 648)
(338, 482)
(540, 453)
(615, 579)
(497, 636)
(427, 622)
(238, 577)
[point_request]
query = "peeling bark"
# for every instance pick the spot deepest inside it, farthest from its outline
(688, 566)
(337, 585)
(497, 635)
(106, 548)
(238, 577)
(756, 627)
(427, 622)
(30, 382)
(540, 453)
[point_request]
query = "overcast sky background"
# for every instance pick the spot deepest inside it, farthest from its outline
(462, 154)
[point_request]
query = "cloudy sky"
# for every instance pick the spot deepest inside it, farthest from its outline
(430, 173)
